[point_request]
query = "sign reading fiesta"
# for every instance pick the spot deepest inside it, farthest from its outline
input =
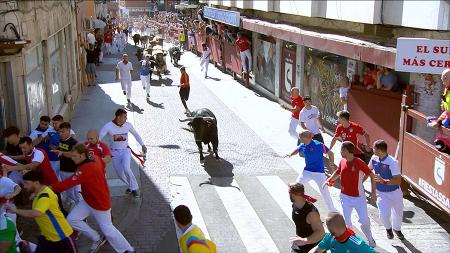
(422, 55)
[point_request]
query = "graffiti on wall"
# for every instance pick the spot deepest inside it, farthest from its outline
(265, 64)
(322, 75)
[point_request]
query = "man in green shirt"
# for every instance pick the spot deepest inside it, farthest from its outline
(7, 235)
(342, 239)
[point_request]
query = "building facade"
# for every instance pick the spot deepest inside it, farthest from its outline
(314, 44)
(42, 78)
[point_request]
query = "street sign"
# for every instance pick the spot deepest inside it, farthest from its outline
(422, 55)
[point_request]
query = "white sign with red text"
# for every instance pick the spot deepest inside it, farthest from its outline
(422, 55)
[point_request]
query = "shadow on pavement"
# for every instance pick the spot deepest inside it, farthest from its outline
(132, 107)
(213, 78)
(220, 172)
(160, 82)
(408, 245)
(156, 105)
(169, 146)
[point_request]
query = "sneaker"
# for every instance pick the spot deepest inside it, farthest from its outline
(143, 87)
(372, 244)
(127, 191)
(128, 100)
(148, 95)
(135, 194)
(124, 93)
(96, 245)
(389, 233)
(399, 235)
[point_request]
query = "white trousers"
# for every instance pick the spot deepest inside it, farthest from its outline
(121, 162)
(293, 128)
(146, 83)
(359, 204)
(319, 178)
(126, 86)
(204, 64)
(103, 218)
(246, 54)
(100, 56)
(390, 208)
(56, 168)
(72, 194)
(108, 48)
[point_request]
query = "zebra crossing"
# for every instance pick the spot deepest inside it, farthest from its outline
(258, 208)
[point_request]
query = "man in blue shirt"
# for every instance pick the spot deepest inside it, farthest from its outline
(342, 239)
(313, 152)
(146, 73)
(386, 79)
(389, 195)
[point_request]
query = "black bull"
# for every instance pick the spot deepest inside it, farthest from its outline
(204, 125)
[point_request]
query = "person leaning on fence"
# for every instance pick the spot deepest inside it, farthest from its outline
(244, 50)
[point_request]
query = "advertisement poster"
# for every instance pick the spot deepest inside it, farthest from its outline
(288, 72)
(265, 64)
(322, 73)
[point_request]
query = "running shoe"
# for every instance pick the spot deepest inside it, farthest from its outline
(389, 233)
(399, 235)
(96, 245)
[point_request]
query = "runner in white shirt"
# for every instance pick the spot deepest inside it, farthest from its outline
(125, 68)
(118, 131)
(204, 61)
(310, 119)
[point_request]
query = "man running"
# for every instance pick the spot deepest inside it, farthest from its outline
(308, 226)
(349, 131)
(313, 152)
(184, 89)
(68, 167)
(204, 61)
(310, 119)
(351, 170)
(192, 240)
(342, 239)
(97, 147)
(125, 68)
(56, 231)
(296, 106)
(90, 175)
(118, 130)
(146, 69)
(389, 194)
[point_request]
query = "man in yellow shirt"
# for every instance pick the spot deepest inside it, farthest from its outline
(182, 40)
(192, 240)
(56, 231)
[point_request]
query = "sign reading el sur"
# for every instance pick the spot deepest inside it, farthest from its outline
(422, 55)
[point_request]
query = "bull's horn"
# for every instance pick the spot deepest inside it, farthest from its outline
(208, 118)
(184, 120)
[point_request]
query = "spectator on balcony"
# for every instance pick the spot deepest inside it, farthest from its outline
(445, 77)
(386, 79)
(369, 76)
(244, 50)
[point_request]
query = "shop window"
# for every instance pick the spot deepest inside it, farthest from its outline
(265, 50)
(34, 85)
(390, 80)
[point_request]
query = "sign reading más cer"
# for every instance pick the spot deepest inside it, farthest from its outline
(223, 16)
(422, 55)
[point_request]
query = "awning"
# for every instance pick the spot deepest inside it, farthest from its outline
(337, 44)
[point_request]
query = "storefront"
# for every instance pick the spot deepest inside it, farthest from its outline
(34, 85)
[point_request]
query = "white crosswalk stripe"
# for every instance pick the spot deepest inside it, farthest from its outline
(253, 233)
(183, 195)
(278, 190)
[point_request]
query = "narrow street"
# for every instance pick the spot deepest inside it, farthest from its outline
(243, 205)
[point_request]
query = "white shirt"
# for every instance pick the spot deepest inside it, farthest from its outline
(124, 70)
(309, 117)
(119, 134)
(36, 133)
(206, 54)
(6, 186)
(38, 156)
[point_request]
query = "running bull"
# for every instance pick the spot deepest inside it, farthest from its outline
(204, 126)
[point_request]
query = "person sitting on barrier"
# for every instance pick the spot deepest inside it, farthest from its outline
(244, 50)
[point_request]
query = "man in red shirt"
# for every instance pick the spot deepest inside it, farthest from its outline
(353, 172)
(90, 175)
(296, 106)
(97, 147)
(185, 88)
(36, 159)
(108, 39)
(349, 131)
(244, 50)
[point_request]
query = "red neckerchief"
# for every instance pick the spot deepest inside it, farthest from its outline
(344, 237)
(125, 62)
(306, 197)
